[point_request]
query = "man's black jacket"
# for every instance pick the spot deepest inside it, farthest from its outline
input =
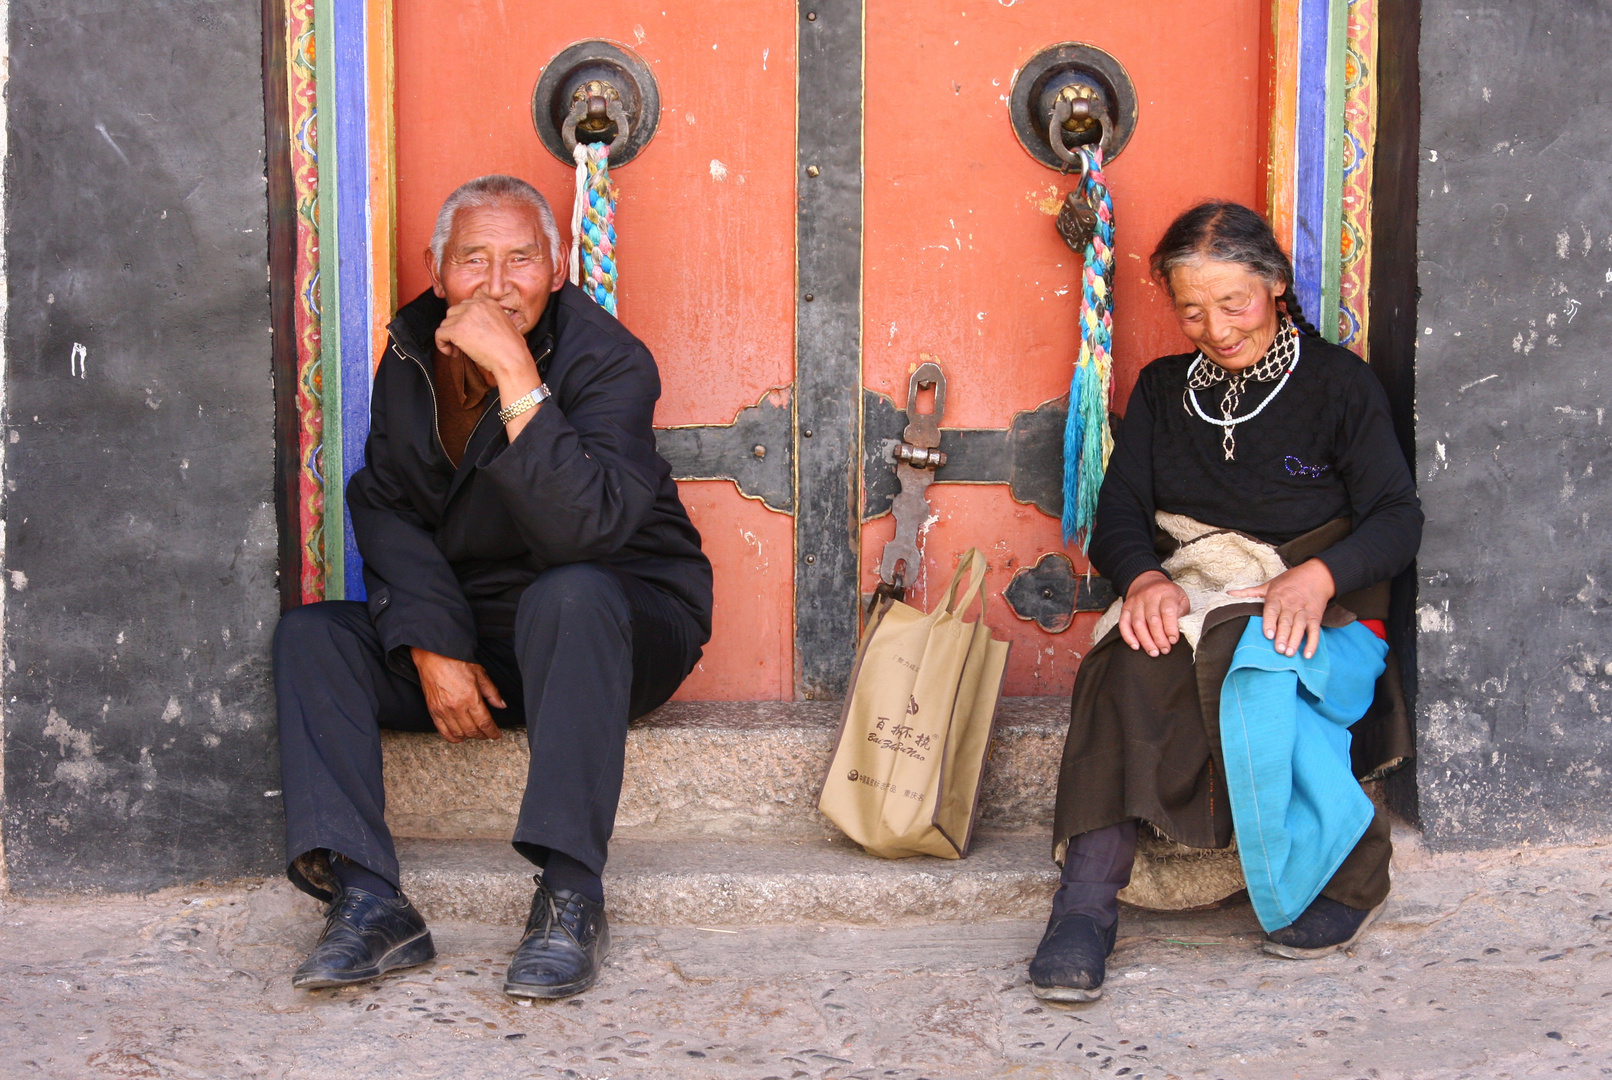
(447, 552)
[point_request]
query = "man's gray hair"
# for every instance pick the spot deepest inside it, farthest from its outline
(494, 189)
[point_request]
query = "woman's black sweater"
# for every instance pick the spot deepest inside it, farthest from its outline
(1323, 449)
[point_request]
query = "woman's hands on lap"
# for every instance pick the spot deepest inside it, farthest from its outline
(1294, 603)
(1150, 617)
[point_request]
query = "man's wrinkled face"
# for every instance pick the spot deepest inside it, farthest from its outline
(1226, 310)
(498, 252)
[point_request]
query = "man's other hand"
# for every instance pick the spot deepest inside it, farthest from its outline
(458, 693)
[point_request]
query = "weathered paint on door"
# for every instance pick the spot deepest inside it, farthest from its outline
(960, 260)
(963, 265)
(706, 225)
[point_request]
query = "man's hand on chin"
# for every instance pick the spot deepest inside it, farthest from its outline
(481, 329)
(458, 693)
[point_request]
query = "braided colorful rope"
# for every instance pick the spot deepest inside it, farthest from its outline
(1087, 441)
(593, 226)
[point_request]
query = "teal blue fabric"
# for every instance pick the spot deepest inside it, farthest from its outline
(1284, 730)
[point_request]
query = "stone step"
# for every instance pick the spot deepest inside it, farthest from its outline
(732, 769)
(720, 881)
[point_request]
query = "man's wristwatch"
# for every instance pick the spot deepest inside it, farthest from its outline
(523, 404)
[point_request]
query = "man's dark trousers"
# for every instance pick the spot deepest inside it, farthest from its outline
(592, 649)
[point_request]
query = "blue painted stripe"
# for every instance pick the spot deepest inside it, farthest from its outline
(1310, 185)
(352, 226)
(1332, 226)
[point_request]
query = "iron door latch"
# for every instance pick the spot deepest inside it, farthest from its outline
(916, 459)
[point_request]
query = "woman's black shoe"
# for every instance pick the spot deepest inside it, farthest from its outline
(1325, 927)
(1070, 962)
(566, 940)
(365, 936)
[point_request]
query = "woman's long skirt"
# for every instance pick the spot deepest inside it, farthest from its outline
(1144, 743)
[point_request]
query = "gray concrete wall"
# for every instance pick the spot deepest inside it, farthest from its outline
(140, 556)
(1514, 421)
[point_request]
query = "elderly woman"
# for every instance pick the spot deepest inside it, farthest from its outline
(1255, 507)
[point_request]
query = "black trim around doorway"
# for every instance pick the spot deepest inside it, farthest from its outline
(1391, 336)
(282, 298)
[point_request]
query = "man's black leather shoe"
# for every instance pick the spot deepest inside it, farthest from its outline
(1072, 959)
(365, 936)
(566, 940)
(1326, 927)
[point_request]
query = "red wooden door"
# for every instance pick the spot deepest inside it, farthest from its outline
(963, 264)
(706, 225)
(959, 260)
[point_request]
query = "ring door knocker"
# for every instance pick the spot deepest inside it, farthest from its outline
(1066, 74)
(595, 105)
(596, 108)
(596, 92)
(1068, 101)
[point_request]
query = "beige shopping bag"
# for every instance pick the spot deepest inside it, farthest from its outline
(905, 777)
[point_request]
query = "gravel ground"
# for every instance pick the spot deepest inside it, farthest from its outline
(1490, 966)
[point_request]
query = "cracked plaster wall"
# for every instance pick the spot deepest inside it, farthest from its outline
(140, 557)
(1514, 422)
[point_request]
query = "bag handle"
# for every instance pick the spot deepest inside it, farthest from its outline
(972, 562)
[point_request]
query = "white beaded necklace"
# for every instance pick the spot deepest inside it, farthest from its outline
(1286, 351)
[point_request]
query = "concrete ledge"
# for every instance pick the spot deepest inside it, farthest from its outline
(721, 882)
(731, 769)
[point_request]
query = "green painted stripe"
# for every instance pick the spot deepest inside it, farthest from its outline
(1332, 222)
(329, 301)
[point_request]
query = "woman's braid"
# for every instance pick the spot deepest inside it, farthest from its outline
(1290, 304)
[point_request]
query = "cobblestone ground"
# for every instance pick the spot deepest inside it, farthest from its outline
(1489, 966)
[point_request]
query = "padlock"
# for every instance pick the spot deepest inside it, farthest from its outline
(1076, 222)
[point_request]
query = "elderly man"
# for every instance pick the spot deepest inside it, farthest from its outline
(527, 560)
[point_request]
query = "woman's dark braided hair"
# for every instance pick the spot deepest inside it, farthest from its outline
(1229, 232)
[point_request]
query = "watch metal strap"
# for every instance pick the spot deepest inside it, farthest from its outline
(523, 404)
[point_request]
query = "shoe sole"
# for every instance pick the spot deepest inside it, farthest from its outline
(412, 953)
(1291, 952)
(1065, 993)
(552, 993)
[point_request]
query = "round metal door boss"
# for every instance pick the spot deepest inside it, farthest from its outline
(1077, 94)
(588, 93)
